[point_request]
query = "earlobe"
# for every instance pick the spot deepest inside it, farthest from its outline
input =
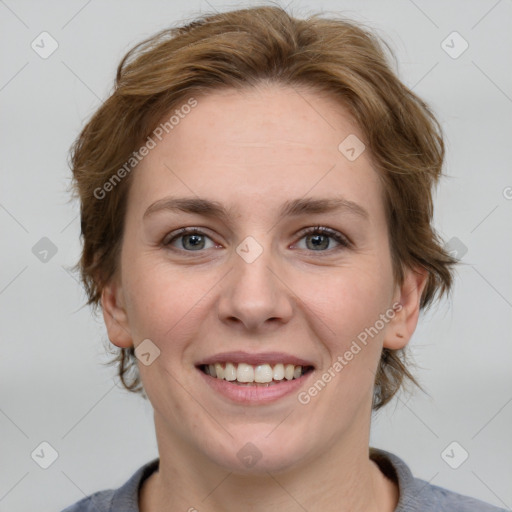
(407, 309)
(114, 315)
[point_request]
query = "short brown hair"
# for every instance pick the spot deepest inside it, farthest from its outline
(240, 49)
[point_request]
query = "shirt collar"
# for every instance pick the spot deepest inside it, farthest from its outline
(126, 497)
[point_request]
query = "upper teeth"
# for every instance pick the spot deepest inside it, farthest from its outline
(258, 373)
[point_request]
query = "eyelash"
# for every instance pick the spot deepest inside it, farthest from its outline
(316, 230)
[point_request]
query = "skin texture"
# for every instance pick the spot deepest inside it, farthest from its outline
(252, 150)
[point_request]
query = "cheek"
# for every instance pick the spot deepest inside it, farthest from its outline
(349, 300)
(350, 305)
(161, 298)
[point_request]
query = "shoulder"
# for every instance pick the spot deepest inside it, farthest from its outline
(444, 500)
(417, 494)
(100, 501)
(123, 499)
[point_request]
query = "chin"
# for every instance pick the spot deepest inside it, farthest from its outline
(254, 455)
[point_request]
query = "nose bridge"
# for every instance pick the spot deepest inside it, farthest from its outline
(253, 293)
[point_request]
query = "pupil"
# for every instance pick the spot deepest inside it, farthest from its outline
(195, 240)
(316, 239)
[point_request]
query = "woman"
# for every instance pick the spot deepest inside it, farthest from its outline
(256, 212)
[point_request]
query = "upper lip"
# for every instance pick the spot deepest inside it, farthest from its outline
(255, 359)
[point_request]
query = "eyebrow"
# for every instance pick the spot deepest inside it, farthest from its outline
(291, 208)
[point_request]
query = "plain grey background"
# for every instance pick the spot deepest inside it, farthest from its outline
(54, 388)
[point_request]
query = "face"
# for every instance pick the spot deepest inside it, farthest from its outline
(258, 284)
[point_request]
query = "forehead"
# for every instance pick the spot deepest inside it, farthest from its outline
(263, 145)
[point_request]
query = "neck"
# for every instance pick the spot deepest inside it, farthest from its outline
(343, 474)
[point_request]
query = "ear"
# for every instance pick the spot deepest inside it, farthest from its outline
(114, 315)
(407, 310)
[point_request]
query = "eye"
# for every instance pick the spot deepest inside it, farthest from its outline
(319, 238)
(192, 239)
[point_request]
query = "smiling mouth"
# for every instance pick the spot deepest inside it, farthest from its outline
(245, 374)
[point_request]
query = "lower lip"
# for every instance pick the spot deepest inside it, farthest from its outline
(255, 394)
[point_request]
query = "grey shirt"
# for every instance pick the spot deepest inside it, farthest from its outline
(416, 495)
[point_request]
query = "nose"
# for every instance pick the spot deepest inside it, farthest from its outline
(254, 296)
